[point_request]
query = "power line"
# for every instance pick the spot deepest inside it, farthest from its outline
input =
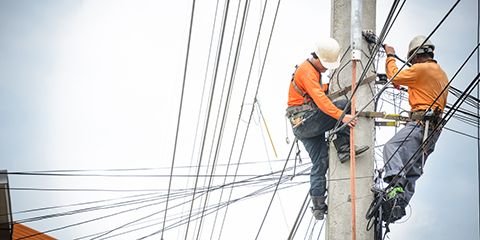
(219, 50)
(446, 87)
(180, 109)
(217, 149)
(336, 129)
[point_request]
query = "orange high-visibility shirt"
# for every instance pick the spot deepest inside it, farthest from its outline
(425, 82)
(307, 79)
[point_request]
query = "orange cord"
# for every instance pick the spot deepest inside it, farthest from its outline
(352, 156)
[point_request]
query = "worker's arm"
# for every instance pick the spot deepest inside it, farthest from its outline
(406, 77)
(315, 91)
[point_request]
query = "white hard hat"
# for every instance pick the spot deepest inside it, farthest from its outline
(416, 42)
(328, 51)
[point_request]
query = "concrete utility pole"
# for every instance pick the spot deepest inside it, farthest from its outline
(346, 216)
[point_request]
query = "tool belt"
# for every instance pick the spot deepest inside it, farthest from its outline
(434, 116)
(296, 114)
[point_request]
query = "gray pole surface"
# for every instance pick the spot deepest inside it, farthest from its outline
(347, 31)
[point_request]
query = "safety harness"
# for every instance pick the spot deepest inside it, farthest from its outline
(296, 114)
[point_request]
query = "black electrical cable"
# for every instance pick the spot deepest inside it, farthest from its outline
(478, 114)
(233, 74)
(155, 213)
(231, 87)
(256, 93)
(209, 107)
(464, 95)
(370, 61)
(446, 87)
(197, 127)
(90, 220)
(447, 117)
(73, 171)
(336, 129)
(229, 202)
(151, 216)
(226, 106)
(261, 72)
(181, 105)
(300, 215)
(261, 191)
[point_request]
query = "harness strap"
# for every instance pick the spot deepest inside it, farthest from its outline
(306, 97)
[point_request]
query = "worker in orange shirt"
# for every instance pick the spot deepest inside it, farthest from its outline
(312, 113)
(427, 95)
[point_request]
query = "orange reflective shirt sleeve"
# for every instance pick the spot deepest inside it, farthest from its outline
(406, 77)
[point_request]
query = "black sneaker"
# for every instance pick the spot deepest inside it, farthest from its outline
(394, 208)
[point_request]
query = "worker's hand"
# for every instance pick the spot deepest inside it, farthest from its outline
(396, 86)
(389, 49)
(349, 118)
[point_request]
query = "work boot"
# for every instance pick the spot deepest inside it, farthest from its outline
(395, 204)
(342, 145)
(319, 208)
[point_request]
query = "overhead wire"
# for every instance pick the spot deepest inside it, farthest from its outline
(235, 200)
(255, 50)
(464, 115)
(299, 218)
(209, 108)
(150, 194)
(75, 172)
(219, 187)
(186, 221)
(233, 74)
(478, 114)
(336, 129)
(172, 175)
(258, 85)
(221, 130)
(370, 61)
(262, 191)
(409, 163)
(263, 65)
(446, 87)
(181, 105)
(197, 127)
(422, 44)
(231, 85)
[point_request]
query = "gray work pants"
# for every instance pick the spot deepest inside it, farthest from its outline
(396, 160)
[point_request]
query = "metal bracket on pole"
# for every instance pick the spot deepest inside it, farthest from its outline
(356, 55)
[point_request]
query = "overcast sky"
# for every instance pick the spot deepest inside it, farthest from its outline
(96, 84)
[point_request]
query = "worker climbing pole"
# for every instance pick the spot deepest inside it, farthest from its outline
(405, 154)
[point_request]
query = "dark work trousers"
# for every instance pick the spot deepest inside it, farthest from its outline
(312, 134)
(407, 144)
